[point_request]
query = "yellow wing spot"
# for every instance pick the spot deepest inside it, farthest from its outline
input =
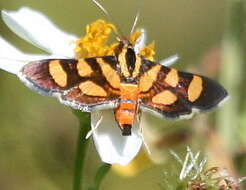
(84, 69)
(57, 73)
(172, 78)
(149, 77)
(123, 64)
(166, 98)
(195, 88)
(137, 66)
(110, 74)
(91, 89)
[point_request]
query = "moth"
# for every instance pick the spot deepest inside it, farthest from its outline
(126, 82)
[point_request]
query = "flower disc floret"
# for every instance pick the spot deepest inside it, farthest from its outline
(94, 43)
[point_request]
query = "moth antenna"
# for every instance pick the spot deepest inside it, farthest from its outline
(140, 5)
(109, 17)
(135, 22)
(102, 9)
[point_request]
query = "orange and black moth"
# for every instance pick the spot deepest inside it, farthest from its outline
(126, 82)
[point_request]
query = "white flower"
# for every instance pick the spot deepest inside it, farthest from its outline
(35, 28)
(110, 144)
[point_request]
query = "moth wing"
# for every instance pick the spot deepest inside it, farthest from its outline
(84, 84)
(172, 94)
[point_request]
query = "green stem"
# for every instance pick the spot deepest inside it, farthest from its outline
(100, 175)
(84, 127)
(232, 73)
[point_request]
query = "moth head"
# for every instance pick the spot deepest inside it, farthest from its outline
(124, 43)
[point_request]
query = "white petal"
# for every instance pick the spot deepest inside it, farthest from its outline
(12, 59)
(112, 147)
(169, 61)
(6, 49)
(37, 29)
(140, 42)
(11, 66)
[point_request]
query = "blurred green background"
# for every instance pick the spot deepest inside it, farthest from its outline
(38, 135)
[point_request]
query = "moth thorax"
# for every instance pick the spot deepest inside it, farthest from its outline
(130, 57)
(127, 60)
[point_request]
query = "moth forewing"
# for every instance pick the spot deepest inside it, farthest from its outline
(173, 94)
(71, 82)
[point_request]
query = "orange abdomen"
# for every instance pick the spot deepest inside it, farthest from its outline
(127, 109)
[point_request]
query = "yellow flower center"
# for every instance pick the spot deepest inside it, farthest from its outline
(148, 51)
(94, 43)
